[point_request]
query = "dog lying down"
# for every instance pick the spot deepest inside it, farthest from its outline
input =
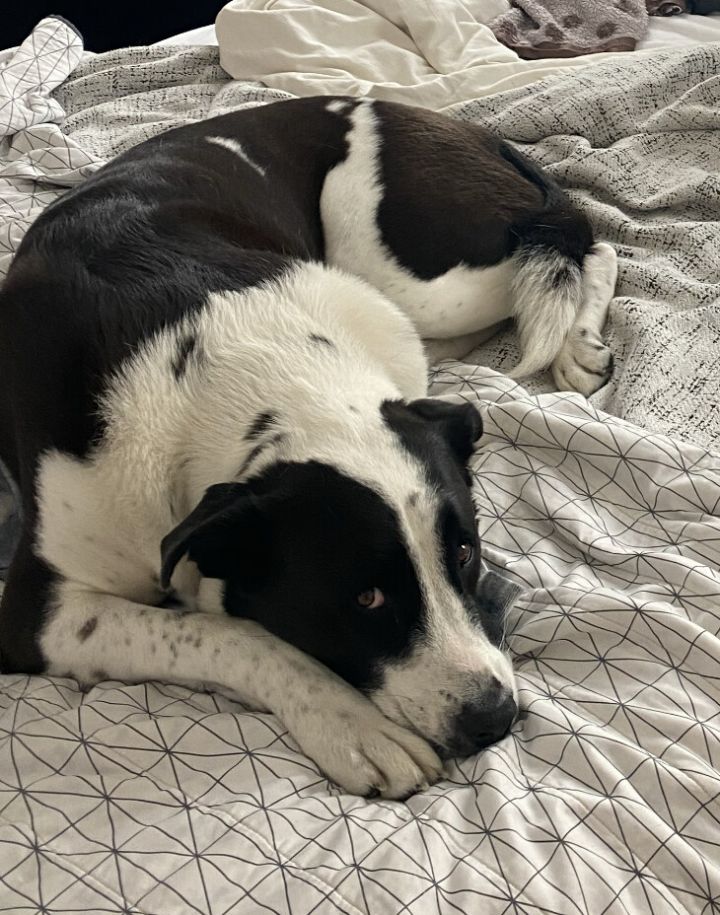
(214, 392)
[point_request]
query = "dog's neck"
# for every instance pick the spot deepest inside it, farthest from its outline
(290, 372)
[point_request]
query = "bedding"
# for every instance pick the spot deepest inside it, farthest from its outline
(605, 797)
(436, 53)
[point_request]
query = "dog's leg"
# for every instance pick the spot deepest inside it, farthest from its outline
(585, 363)
(99, 636)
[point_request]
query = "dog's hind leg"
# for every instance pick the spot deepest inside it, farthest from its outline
(94, 636)
(585, 363)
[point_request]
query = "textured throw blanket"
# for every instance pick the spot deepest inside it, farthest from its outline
(571, 28)
(153, 798)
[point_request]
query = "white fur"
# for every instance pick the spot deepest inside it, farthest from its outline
(338, 106)
(544, 313)
(234, 146)
(584, 360)
(101, 520)
(462, 301)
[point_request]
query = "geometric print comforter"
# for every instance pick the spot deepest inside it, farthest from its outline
(605, 798)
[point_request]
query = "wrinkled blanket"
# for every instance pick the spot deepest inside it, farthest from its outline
(570, 28)
(604, 798)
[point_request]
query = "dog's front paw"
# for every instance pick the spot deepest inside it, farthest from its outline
(364, 752)
(584, 364)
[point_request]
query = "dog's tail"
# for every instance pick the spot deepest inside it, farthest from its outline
(547, 284)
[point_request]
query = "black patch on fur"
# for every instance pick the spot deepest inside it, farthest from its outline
(481, 199)
(324, 341)
(441, 436)
(261, 424)
(87, 629)
(257, 451)
(187, 347)
(562, 276)
(294, 547)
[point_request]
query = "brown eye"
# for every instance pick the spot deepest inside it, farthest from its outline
(371, 599)
(465, 553)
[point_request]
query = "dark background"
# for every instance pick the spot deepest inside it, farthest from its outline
(115, 24)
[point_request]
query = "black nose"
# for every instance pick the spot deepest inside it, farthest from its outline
(482, 721)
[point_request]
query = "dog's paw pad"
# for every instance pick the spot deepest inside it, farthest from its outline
(584, 364)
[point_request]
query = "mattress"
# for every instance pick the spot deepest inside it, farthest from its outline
(154, 798)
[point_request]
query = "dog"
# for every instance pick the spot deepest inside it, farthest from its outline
(214, 405)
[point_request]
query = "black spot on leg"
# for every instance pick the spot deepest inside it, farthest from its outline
(67, 506)
(187, 346)
(87, 629)
(320, 340)
(412, 499)
(260, 424)
(352, 409)
(583, 332)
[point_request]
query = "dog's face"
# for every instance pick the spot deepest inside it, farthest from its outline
(376, 573)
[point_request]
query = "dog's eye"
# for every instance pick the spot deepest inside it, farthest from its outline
(371, 599)
(465, 553)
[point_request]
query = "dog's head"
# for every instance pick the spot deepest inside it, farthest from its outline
(367, 558)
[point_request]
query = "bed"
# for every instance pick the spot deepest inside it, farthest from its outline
(605, 798)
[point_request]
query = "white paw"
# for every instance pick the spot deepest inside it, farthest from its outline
(601, 268)
(584, 364)
(364, 752)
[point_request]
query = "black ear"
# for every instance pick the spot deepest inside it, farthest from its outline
(221, 534)
(460, 424)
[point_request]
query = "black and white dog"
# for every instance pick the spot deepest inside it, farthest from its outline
(213, 389)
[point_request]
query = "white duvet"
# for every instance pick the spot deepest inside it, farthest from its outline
(433, 53)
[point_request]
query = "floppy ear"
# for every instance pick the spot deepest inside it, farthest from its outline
(460, 424)
(221, 534)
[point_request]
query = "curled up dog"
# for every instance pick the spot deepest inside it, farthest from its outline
(213, 365)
